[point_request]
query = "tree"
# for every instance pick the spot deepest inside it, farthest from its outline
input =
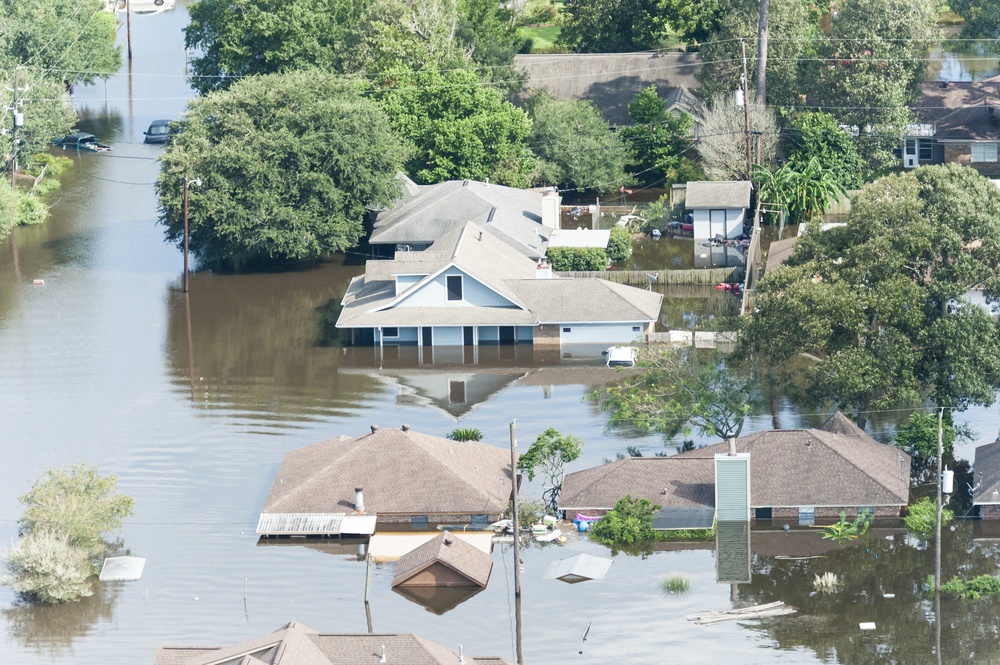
(549, 455)
(919, 437)
(659, 141)
(693, 21)
(288, 164)
(238, 38)
(816, 134)
(881, 302)
(673, 390)
(612, 26)
(803, 190)
(722, 141)
(870, 69)
(982, 17)
(44, 567)
(458, 127)
(630, 521)
(575, 146)
(619, 245)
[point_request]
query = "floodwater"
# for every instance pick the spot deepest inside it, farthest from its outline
(193, 401)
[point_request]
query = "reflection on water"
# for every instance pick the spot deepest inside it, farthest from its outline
(51, 629)
(963, 61)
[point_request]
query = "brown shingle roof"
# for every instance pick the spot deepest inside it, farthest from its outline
(666, 481)
(400, 472)
(961, 110)
(465, 559)
(295, 644)
(986, 474)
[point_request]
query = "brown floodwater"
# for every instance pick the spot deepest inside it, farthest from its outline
(193, 400)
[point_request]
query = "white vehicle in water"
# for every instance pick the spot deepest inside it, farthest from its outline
(620, 356)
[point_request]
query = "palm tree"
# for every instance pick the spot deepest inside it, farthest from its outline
(803, 193)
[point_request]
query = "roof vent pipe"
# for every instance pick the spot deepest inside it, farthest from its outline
(406, 428)
(732, 446)
(374, 428)
(382, 659)
(359, 499)
(461, 655)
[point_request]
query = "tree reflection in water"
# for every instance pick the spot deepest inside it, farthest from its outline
(51, 629)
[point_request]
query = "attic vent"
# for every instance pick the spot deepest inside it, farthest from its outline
(448, 541)
(406, 428)
(374, 428)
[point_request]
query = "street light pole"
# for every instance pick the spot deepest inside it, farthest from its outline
(187, 182)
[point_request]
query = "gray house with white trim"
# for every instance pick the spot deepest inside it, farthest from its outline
(718, 208)
(471, 288)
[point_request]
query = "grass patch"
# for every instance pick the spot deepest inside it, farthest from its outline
(675, 584)
(974, 589)
(543, 37)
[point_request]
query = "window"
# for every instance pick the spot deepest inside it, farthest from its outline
(868, 511)
(390, 332)
(567, 330)
(454, 287)
(762, 513)
(985, 151)
(926, 151)
(636, 328)
(456, 392)
(911, 146)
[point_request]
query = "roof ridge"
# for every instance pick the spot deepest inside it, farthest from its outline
(844, 457)
(458, 245)
(451, 471)
(296, 490)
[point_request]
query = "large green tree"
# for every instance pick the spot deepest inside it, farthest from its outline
(660, 141)
(576, 146)
(287, 162)
(457, 127)
(548, 456)
(815, 134)
(982, 17)
(880, 303)
(612, 26)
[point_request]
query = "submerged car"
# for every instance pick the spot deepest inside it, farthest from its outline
(620, 356)
(158, 132)
(82, 141)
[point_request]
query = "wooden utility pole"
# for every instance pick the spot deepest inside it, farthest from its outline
(517, 529)
(128, 26)
(937, 543)
(746, 109)
(13, 134)
(185, 233)
(762, 51)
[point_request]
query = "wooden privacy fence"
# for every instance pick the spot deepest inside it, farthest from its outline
(641, 277)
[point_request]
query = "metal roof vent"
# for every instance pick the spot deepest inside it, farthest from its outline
(374, 428)
(382, 659)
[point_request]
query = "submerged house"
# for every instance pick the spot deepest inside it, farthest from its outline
(718, 208)
(444, 561)
(799, 474)
(386, 476)
(296, 644)
(471, 288)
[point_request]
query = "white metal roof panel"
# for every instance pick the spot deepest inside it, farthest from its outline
(122, 569)
(579, 568)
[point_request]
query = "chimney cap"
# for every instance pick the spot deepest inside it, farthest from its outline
(359, 489)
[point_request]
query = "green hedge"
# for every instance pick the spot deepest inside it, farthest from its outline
(565, 259)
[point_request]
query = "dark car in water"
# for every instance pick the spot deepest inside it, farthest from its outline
(158, 132)
(82, 141)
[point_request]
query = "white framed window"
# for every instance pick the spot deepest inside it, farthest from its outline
(984, 151)
(390, 332)
(454, 283)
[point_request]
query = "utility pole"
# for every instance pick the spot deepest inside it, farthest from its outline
(18, 121)
(762, 51)
(746, 109)
(937, 540)
(128, 28)
(197, 183)
(517, 531)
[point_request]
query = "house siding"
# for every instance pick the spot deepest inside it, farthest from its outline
(547, 336)
(961, 153)
(602, 333)
(832, 512)
(990, 512)
(435, 293)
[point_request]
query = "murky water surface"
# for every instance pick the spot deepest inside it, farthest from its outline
(193, 401)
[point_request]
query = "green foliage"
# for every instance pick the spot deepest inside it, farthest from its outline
(659, 141)
(564, 259)
(457, 127)
(843, 530)
(576, 146)
(48, 114)
(675, 583)
(803, 189)
(30, 209)
(673, 390)
(982, 17)
(549, 455)
(694, 21)
(919, 436)
(630, 521)
(974, 589)
(619, 245)
(44, 567)
(465, 434)
(54, 164)
(686, 535)
(288, 164)
(530, 511)
(921, 517)
(8, 209)
(612, 26)
(881, 302)
(818, 135)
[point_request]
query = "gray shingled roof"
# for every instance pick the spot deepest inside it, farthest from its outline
(465, 559)
(436, 210)
(609, 80)
(371, 299)
(718, 194)
(296, 644)
(400, 472)
(837, 465)
(986, 474)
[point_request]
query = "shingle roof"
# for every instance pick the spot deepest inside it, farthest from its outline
(836, 466)
(718, 194)
(465, 559)
(436, 210)
(295, 644)
(567, 300)
(961, 110)
(986, 474)
(400, 472)
(609, 80)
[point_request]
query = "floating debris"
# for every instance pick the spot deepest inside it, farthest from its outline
(775, 609)
(867, 625)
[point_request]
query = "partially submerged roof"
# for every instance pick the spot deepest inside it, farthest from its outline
(122, 569)
(718, 194)
(393, 545)
(445, 549)
(400, 472)
(666, 481)
(296, 644)
(986, 474)
(579, 568)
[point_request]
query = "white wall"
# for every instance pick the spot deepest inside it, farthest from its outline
(725, 222)
(447, 336)
(404, 282)
(406, 336)
(603, 333)
(435, 293)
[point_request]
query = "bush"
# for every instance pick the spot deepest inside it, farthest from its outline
(675, 583)
(44, 567)
(630, 521)
(530, 511)
(922, 515)
(465, 434)
(565, 259)
(620, 245)
(30, 209)
(977, 587)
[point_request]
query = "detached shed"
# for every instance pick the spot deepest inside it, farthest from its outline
(718, 207)
(444, 561)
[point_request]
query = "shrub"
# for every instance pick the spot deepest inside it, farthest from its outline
(30, 209)
(977, 587)
(44, 567)
(530, 511)
(565, 259)
(630, 521)
(922, 515)
(465, 434)
(675, 584)
(620, 245)
(826, 583)
(843, 530)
